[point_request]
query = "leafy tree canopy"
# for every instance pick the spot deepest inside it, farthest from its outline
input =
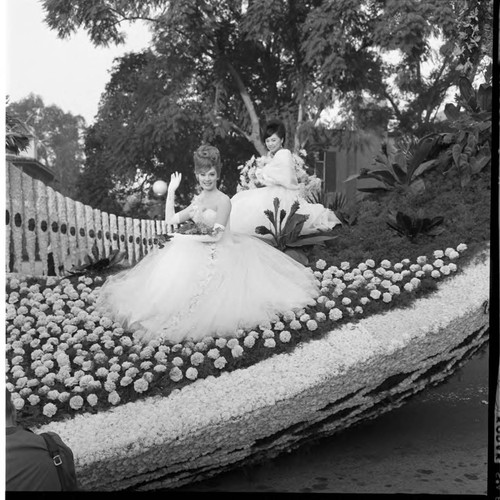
(219, 68)
(17, 134)
(292, 57)
(60, 139)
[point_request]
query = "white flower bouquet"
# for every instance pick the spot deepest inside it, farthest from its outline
(249, 173)
(196, 228)
(309, 185)
(199, 230)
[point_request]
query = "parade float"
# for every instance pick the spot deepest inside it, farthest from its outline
(388, 324)
(354, 372)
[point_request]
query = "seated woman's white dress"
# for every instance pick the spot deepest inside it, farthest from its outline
(191, 289)
(280, 181)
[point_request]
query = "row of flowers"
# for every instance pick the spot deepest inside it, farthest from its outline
(64, 358)
(201, 425)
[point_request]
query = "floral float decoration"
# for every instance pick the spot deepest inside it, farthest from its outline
(320, 369)
(309, 184)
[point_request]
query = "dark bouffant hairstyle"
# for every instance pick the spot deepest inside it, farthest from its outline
(206, 157)
(274, 126)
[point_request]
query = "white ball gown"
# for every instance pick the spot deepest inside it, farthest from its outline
(280, 181)
(190, 289)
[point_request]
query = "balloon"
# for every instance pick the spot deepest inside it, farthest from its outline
(160, 188)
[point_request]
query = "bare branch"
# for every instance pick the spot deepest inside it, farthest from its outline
(240, 131)
(393, 104)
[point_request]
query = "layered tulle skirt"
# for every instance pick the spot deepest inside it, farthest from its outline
(189, 289)
(248, 210)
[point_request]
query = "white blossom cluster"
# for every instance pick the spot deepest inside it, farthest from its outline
(64, 357)
(205, 422)
(309, 185)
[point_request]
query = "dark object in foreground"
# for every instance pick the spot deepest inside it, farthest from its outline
(64, 462)
(36, 462)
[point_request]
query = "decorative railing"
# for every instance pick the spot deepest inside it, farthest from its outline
(46, 230)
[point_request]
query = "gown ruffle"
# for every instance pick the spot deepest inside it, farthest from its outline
(280, 181)
(191, 289)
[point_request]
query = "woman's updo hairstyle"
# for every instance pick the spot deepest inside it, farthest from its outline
(206, 157)
(274, 126)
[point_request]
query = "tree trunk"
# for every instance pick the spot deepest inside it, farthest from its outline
(254, 136)
(300, 117)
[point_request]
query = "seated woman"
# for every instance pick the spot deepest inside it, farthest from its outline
(206, 284)
(279, 180)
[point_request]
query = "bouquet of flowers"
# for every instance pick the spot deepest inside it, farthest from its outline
(199, 230)
(191, 227)
(249, 173)
(309, 185)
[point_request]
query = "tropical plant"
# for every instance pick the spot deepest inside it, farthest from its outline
(286, 233)
(469, 148)
(91, 264)
(337, 202)
(400, 167)
(411, 227)
(346, 212)
(330, 199)
(389, 88)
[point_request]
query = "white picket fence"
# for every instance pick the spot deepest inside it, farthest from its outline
(41, 221)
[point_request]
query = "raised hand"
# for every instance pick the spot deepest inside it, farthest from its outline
(175, 180)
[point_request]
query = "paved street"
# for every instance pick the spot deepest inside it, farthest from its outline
(436, 443)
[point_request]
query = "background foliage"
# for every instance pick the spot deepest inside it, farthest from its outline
(60, 135)
(217, 69)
